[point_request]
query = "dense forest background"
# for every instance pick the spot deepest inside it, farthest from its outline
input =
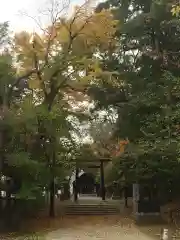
(101, 82)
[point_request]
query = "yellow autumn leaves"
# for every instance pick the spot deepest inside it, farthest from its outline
(86, 33)
(68, 42)
(175, 10)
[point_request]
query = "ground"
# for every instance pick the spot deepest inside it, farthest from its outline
(119, 227)
(102, 227)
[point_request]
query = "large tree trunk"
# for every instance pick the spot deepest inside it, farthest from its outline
(52, 199)
(52, 188)
(8, 222)
(126, 196)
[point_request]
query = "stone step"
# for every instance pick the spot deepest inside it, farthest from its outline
(91, 213)
(91, 206)
(91, 209)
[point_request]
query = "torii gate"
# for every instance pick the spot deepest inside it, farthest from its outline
(119, 150)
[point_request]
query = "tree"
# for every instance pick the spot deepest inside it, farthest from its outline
(146, 93)
(38, 104)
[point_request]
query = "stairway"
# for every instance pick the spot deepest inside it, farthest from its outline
(103, 208)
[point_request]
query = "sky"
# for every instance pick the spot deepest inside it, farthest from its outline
(11, 10)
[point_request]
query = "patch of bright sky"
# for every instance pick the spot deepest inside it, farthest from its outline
(11, 10)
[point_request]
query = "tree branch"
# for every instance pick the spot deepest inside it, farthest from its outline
(38, 72)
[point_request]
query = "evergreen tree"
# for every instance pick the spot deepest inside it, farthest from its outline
(146, 89)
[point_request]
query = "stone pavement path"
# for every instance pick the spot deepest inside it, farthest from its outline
(102, 227)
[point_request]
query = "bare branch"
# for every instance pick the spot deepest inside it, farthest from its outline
(76, 16)
(38, 72)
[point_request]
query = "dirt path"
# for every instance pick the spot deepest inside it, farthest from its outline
(102, 227)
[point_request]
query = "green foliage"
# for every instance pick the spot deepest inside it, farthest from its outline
(36, 129)
(147, 60)
(41, 82)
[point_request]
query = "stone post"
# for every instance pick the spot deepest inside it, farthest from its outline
(136, 197)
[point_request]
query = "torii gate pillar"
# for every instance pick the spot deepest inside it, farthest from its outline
(103, 193)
